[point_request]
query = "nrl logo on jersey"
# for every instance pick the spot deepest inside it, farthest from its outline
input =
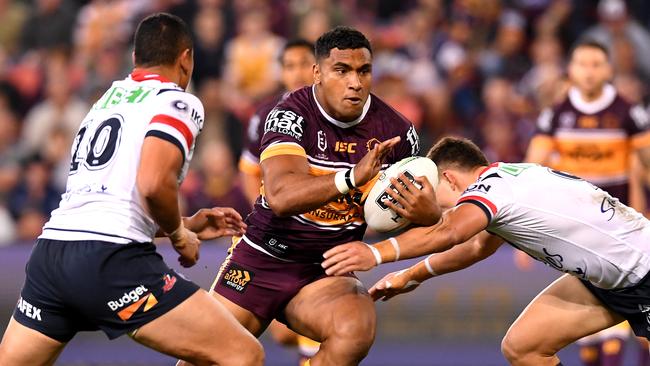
(284, 122)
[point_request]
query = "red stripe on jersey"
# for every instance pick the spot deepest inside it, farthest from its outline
(144, 75)
(488, 167)
(483, 200)
(176, 124)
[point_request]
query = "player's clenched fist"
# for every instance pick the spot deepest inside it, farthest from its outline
(370, 164)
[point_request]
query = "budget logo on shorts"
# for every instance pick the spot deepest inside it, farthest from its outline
(136, 298)
(237, 278)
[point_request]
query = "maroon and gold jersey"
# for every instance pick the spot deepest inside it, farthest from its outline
(594, 140)
(298, 125)
(249, 162)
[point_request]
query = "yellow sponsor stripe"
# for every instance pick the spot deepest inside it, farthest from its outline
(282, 149)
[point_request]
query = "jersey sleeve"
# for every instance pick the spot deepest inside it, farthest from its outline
(491, 194)
(409, 144)
(178, 119)
(249, 162)
(637, 126)
(544, 130)
(284, 134)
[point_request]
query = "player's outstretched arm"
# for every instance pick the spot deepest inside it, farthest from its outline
(290, 189)
(157, 183)
(459, 257)
(456, 226)
(215, 222)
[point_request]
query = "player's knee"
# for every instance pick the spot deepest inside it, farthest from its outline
(249, 353)
(356, 335)
(513, 347)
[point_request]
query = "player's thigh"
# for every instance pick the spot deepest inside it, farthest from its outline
(198, 326)
(24, 346)
(561, 314)
(246, 318)
(332, 306)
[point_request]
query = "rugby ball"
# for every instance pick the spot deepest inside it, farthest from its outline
(377, 215)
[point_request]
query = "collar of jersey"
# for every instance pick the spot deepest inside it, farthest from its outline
(143, 75)
(493, 165)
(604, 101)
(336, 122)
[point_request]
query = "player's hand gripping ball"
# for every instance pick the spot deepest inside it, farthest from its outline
(377, 214)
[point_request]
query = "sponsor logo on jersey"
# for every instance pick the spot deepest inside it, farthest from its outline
(127, 298)
(372, 143)
(29, 310)
(284, 122)
(588, 122)
(567, 119)
(322, 141)
(414, 140)
(170, 281)
(180, 105)
(478, 187)
(237, 278)
(346, 147)
(196, 117)
(645, 309)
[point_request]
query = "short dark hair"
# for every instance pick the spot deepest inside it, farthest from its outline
(589, 43)
(458, 153)
(343, 38)
(297, 43)
(160, 39)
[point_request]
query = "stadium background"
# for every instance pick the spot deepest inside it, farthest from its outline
(477, 68)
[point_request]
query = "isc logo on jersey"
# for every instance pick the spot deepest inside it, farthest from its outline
(127, 298)
(284, 122)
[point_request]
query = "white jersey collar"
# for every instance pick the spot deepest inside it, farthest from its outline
(604, 101)
(336, 122)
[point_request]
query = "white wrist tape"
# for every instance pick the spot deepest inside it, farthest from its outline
(354, 183)
(428, 265)
(395, 244)
(376, 253)
(339, 181)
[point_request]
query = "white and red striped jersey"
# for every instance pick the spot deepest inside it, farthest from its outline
(565, 222)
(101, 201)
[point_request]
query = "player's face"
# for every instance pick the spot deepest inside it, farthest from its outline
(344, 80)
(589, 70)
(297, 68)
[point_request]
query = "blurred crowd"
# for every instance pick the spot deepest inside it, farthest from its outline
(478, 68)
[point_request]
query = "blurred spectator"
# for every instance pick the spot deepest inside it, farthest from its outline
(50, 24)
(500, 126)
(614, 22)
(61, 108)
(209, 45)
(251, 57)
(220, 124)
(102, 24)
(313, 24)
(506, 57)
(541, 83)
(33, 198)
(9, 152)
(12, 17)
(215, 182)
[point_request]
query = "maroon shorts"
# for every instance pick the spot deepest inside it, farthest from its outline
(262, 284)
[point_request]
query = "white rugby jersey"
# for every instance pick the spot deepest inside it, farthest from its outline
(565, 222)
(101, 201)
